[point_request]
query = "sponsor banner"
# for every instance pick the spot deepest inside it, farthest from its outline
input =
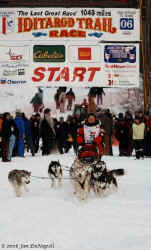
(13, 72)
(14, 65)
(84, 53)
(121, 65)
(119, 54)
(13, 78)
(7, 21)
(49, 53)
(116, 65)
(14, 54)
(8, 82)
(92, 24)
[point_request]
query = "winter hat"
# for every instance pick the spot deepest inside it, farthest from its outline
(47, 110)
(107, 111)
(37, 114)
(120, 116)
(77, 112)
(18, 111)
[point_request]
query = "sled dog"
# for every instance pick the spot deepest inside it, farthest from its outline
(81, 174)
(103, 178)
(55, 173)
(19, 178)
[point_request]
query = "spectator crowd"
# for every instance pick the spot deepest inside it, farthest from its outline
(43, 133)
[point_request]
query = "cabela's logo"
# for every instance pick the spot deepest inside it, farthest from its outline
(49, 53)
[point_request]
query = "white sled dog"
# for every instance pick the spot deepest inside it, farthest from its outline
(80, 174)
(19, 178)
(55, 173)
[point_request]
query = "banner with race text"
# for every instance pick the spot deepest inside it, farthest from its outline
(70, 64)
(75, 65)
(91, 24)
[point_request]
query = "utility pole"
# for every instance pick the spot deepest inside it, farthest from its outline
(143, 57)
(148, 49)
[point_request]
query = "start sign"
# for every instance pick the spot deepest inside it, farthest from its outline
(65, 74)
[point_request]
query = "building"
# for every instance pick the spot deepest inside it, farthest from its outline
(71, 3)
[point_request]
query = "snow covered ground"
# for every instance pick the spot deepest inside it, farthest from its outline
(46, 218)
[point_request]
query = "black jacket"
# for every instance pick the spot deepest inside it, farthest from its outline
(8, 128)
(61, 131)
(46, 131)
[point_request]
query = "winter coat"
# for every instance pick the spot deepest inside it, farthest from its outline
(93, 91)
(37, 99)
(123, 131)
(70, 95)
(100, 91)
(56, 96)
(107, 124)
(61, 131)
(62, 97)
(138, 131)
(46, 131)
(28, 130)
(91, 105)
(20, 125)
(90, 133)
(8, 128)
(35, 127)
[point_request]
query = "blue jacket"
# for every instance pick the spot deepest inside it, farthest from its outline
(20, 125)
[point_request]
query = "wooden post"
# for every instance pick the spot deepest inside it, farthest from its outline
(143, 58)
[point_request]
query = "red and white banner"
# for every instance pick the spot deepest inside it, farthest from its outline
(93, 24)
(63, 64)
(106, 65)
(69, 47)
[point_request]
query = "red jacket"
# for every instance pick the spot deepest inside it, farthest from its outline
(91, 135)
